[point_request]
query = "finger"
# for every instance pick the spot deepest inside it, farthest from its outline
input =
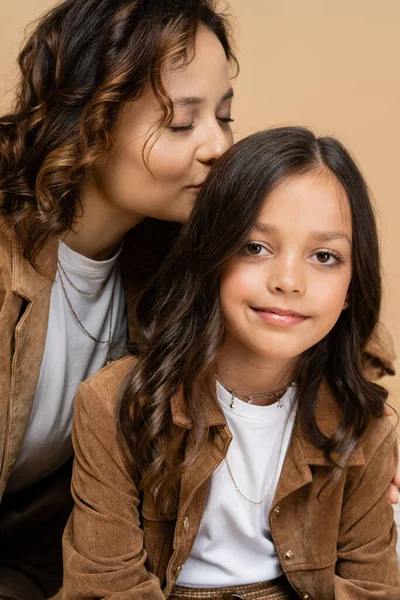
(396, 478)
(388, 410)
(393, 493)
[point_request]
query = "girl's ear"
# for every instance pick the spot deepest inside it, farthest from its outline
(346, 304)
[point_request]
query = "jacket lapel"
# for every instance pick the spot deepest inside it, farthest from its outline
(34, 286)
(302, 454)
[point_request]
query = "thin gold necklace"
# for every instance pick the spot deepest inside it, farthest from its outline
(249, 398)
(92, 337)
(101, 288)
(269, 492)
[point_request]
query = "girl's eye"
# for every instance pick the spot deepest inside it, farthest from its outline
(327, 258)
(225, 120)
(255, 249)
(178, 128)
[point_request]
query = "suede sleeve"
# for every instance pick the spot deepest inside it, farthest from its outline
(103, 542)
(367, 566)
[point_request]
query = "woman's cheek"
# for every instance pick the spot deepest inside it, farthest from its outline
(170, 162)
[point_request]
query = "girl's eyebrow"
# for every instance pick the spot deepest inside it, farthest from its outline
(319, 236)
(191, 100)
(328, 236)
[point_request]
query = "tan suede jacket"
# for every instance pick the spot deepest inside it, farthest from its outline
(24, 311)
(338, 544)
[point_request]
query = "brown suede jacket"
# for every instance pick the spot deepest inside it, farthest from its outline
(24, 311)
(333, 543)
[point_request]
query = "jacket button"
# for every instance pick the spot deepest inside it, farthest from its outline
(178, 570)
(276, 510)
(186, 524)
(306, 596)
(288, 555)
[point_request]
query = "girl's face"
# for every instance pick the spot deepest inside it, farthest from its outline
(181, 158)
(287, 288)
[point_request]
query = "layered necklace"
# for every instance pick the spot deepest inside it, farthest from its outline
(249, 398)
(62, 273)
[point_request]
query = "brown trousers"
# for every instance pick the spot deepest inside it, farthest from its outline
(31, 526)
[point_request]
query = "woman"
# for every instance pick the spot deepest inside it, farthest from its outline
(122, 110)
(123, 107)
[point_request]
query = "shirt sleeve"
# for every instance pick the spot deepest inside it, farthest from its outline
(367, 565)
(103, 548)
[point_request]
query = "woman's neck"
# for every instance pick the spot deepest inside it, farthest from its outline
(100, 227)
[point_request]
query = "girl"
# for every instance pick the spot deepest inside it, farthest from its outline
(123, 107)
(250, 459)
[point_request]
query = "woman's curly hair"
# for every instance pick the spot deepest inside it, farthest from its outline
(83, 60)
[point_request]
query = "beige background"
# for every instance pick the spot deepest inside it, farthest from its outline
(333, 66)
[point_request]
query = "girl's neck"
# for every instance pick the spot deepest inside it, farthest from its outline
(100, 227)
(248, 374)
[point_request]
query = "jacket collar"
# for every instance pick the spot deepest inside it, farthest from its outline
(27, 281)
(327, 412)
(180, 415)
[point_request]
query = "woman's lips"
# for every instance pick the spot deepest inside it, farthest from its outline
(195, 188)
(279, 318)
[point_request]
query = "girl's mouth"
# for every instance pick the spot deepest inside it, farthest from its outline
(280, 317)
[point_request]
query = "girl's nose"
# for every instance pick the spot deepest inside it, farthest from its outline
(286, 277)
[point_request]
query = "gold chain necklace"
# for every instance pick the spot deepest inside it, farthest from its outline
(103, 285)
(269, 492)
(249, 398)
(92, 337)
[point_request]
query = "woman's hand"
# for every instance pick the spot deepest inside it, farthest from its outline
(393, 491)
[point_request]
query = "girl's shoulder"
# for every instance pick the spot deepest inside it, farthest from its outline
(96, 410)
(380, 430)
(105, 385)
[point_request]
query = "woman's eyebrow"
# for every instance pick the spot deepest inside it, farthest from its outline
(191, 100)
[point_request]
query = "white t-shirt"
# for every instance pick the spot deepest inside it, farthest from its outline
(70, 356)
(233, 545)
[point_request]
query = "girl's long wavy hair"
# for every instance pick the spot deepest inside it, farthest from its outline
(82, 62)
(181, 317)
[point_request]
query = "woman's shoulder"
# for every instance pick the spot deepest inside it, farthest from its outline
(17, 270)
(7, 237)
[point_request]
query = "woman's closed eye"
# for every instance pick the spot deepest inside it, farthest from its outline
(190, 126)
